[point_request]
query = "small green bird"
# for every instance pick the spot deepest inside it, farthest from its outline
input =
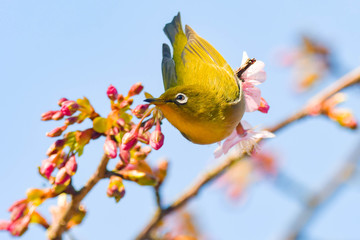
(203, 97)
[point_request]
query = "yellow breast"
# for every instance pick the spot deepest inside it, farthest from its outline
(205, 131)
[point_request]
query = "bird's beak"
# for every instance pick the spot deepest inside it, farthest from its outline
(155, 101)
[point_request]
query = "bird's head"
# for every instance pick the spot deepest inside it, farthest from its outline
(187, 102)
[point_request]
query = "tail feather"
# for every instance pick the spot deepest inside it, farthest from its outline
(173, 28)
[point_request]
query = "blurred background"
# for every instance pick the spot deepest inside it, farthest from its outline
(54, 49)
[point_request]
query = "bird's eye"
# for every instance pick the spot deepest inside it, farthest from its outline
(181, 98)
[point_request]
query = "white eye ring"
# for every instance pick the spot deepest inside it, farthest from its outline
(181, 98)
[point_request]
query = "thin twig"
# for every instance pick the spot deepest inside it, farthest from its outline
(158, 197)
(317, 200)
(344, 82)
(57, 228)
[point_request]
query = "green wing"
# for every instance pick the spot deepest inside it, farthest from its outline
(195, 61)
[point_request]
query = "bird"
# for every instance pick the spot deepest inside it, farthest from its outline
(203, 96)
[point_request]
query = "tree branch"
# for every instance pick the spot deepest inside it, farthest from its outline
(57, 228)
(317, 200)
(347, 80)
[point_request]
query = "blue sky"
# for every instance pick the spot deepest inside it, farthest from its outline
(54, 49)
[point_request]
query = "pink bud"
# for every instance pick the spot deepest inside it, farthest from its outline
(125, 157)
(112, 93)
(120, 98)
(144, 137)
(62, 176)
(121, 122)
(116, 188)
(18, 227)
(68, 108)
(61, 100)
(139, 110)
(135, 89)
(71, 120)
(71, 166)
(58, 115)
(55, 147)
(47, 167)
(110, 148)
(126, 103)
(17, 209)
(129, 139)
(4, 225)
(47, 115)
(149, 124)
(156, 137)
(56, 131)
(264, 106)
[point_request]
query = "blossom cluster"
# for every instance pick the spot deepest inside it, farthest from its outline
(130, 143)
(329, 108)
(244, 136)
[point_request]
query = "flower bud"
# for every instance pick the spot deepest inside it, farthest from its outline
(47, 115)
(71, 166)
(135, 89)
(62, 176)
(344, 117)
(58, 115)
(56, 146)
(61, 100)
(56, 131)
(68, 108)
(116, 188)
(149, 124)
(120, 98)
(125, 157)
(17, 209)
(156, 137)
(18, 227)
(139, 110)
(71, 120)
(126, 103)
(112, 93)
(47, 167)
(121, 122)
(129, 139)
(110, 148)
(162, 170)
(144, 137)
(264, 106)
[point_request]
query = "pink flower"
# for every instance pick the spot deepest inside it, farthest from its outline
(68, 108)
(244, 136)
(253, 76)
(264, 106)
(61, 100)
(112, 93)
(110, 148)
(156, 137)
